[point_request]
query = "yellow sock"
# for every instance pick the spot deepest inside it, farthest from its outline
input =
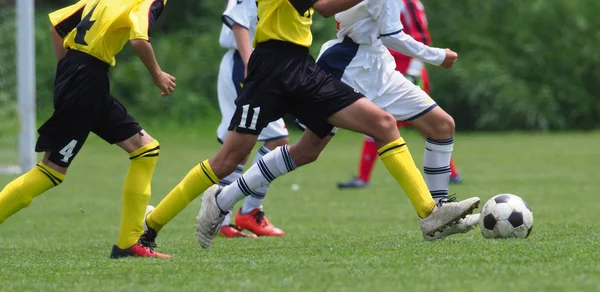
(399, 163)
(136, 193)
(19, 193)
(195, 183)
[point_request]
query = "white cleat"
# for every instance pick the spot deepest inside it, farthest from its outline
(445, 213)
(149, 209)
(462, 226)
(210, 217)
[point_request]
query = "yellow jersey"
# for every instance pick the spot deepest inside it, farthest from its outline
(101, 28)
(284, 20)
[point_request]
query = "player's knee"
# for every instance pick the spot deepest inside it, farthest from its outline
(385, 125)
(443, 128)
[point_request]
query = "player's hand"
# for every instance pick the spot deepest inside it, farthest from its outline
(450, 60)
(165, 82)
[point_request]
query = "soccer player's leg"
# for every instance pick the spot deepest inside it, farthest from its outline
(265, 98)
(438, 128)
(78, 93)
(229, 85)
(455, 177)
(251, 215)
(116, 126)
(365, 117)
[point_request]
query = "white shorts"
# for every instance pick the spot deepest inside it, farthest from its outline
(231, 78)
(372, 71)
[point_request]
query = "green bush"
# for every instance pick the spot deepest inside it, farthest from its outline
(527, 65)
(522, 64)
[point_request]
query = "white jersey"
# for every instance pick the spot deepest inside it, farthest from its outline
(240, 12)
(377, 23)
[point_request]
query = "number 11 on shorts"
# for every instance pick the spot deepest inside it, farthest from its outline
(253, 117)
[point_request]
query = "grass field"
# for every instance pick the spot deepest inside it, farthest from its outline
(364, 240)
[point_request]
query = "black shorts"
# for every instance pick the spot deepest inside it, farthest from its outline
(82, 104)
(284, 78)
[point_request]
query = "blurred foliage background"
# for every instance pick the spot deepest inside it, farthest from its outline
(523, 65)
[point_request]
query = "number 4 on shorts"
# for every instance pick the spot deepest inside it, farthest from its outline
(67, 151)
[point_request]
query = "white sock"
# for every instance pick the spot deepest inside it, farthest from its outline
(436, 166)
(227, 181)
(271, 166)
(254, 201)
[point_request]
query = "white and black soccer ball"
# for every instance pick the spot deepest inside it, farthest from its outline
(506, 216)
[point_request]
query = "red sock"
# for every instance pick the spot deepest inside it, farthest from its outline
(402, 124)
(367, 159)
(453, 171)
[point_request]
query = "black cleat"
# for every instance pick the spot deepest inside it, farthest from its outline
(355, 183)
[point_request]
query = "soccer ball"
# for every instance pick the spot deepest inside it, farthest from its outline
(505, 216)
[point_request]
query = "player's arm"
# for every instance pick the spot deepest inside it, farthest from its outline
(244, 43)
(63, 22)
(142, 19)
(58, 44)
(238, 17)
(327, 8)
(393, 37)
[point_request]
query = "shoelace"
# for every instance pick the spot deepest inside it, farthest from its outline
(450, 199)
(259, 216)
(148, 241)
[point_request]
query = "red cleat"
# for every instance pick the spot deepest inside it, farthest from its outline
(257, 222)
(232, 231)
(137, 250)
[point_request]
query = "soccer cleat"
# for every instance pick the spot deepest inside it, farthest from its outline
(232, 231)
(257, 222)
(462, 226)
(455, 179)
(138, 250)
(210, 217)
(445, 213)
(355, 183)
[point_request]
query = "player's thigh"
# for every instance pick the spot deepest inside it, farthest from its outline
(117, 126)
(365, 117)
(318, 96)
(274, 130)
(435, 124)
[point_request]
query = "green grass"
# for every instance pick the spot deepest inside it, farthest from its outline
(364, 240)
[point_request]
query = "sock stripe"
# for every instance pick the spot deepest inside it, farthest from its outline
(149, 155)
(263, 150)
(439, 194)
(243, 186)
(206, 172)
(264, 170)
(441, 142)
(436, 170)
(258, 195)
(225, 182)
(149, 150)
(289, 164)
(240, 168)
(391, 148)
(55, 180)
